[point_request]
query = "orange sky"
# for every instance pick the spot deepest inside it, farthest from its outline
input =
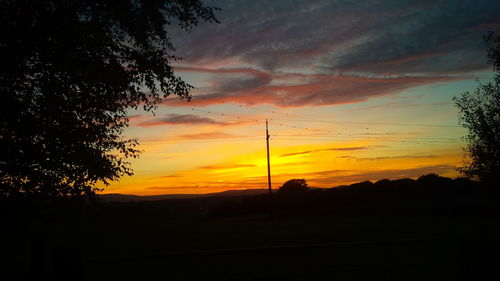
(353, 91)
(223, 148)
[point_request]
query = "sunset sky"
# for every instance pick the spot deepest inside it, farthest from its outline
(353, 91)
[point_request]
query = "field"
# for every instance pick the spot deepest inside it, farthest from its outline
(182, 239)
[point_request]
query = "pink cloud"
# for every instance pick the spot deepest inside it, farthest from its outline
(353, 148)
(210, 135)
(191, 119)
(311, 90)
(240, 70)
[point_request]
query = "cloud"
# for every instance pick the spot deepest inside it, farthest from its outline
(345, 156)
(210, 135)
(345, 148)
(327, 178)
(312, 53)
(280, 34)
(227, 166)
(296, 153)
(330, 178)
(307, 90)
(353, 148)
(165, 188)
(135, 117)
(396, 157)
(177, 119)
(186, 119)
(397, 174)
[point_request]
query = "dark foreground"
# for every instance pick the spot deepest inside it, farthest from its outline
(301, 237)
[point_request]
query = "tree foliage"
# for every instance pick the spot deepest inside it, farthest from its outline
(479, 113)
(70, 71)
(294, 186)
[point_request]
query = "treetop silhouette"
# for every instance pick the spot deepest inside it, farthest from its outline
(70, 71)
(479, 113)
(294, 186)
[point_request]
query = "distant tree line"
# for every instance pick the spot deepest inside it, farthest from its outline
(428, 193)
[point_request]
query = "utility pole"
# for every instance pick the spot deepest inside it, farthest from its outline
(268, 163)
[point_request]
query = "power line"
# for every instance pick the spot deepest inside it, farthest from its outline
(372, 123)
(226, 115)
(302, 119)
(268, 162)
(182, 140)
(353, 138)
(318, 133)
(360, 136)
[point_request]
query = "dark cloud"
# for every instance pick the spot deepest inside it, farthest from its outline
(345, 148)
(210, 135)
(410, 156)
(227, 166)
(387, 174)
(325, 149)
(317, 175)
(350, 51)
(314, 90)
(170, 176)
(177, 119)
(183, 119)
(165, 188)
(330, 178)
(281, 33)
(296, 153)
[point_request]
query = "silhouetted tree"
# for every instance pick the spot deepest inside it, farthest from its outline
(294, 186)
(431, 179)
(70, 69)
(479, 113)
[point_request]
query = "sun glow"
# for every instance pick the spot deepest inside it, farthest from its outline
(341, 110)
(227, 164)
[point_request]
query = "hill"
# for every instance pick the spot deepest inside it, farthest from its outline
(117, 197)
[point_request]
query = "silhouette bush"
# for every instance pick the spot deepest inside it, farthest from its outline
(294, 186)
